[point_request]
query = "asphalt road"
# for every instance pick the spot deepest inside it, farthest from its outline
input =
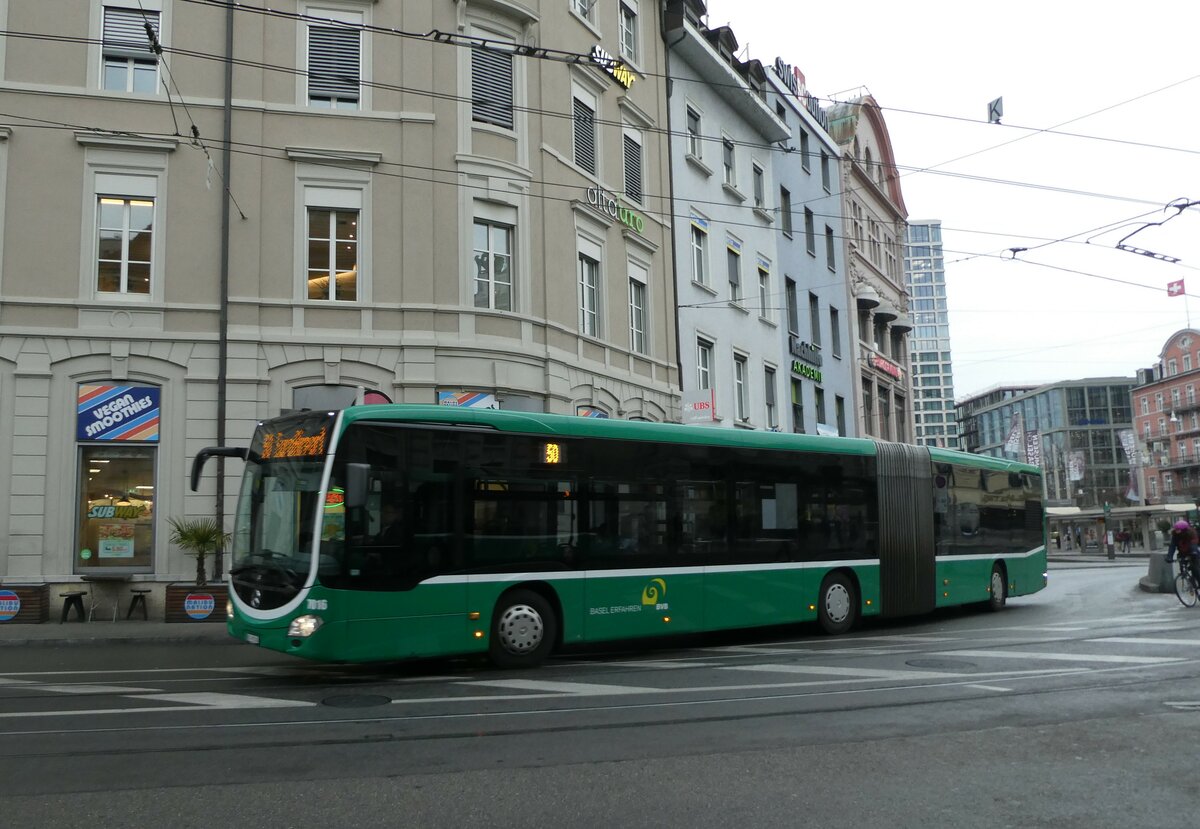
(1074, 707)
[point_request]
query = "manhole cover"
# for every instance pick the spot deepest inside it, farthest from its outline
(941, 664)
(356, 700)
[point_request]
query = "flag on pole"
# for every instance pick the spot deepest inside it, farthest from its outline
(1175, 288)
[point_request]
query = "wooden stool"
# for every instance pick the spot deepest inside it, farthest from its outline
(74, 599)
(138, 600)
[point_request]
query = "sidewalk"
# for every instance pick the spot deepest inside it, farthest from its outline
(121, 632)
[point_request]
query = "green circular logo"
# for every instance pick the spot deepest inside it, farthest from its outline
(85, 554)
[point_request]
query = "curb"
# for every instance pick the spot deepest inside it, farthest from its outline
(126, 640)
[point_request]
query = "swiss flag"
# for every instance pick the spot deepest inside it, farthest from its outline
(1175, 288)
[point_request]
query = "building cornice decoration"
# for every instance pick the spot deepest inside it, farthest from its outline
(350, 157)
(119, 141)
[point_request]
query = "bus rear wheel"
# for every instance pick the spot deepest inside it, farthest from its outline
(524, 628)
(837, 606)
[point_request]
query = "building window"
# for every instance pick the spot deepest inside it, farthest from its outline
(814, 318)
(1187, 362)
(335, 60)
(1145, 405)
(129, 63)
(839, 405)
(585, 133)
(804, 150)
(810, 232)
(793, 308)
(704, 355)
(589, 295)
(116, 507)
(741, 395)
(492, 87)
(760, 185)
(693, 133)
(332, 254)
(1190, 395)
(1158, 401)
(835, 331)
(769, 396)
(734, 259)
(1172, 367)
(627, 11)
(493, 266)
(764, 293)
(1174, 398)
(797, 406)
(699, 253)
(825, 181)
(637, 308)
(727, 162)
(125, 243)
(785, 211)
(830, 258)
(819, 403)
(633, 165)
(585, 9)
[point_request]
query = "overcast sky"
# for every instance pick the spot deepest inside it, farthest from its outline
(1122, 78)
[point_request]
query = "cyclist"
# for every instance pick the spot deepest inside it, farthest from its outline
(1184, 542)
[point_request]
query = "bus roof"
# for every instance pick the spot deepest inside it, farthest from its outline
(583, 427)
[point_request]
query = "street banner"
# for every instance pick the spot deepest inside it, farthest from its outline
(105, 412)
(1015, 440)
(1033, 448)
(1075, 465)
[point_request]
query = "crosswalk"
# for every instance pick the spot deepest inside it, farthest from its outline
(994, 661)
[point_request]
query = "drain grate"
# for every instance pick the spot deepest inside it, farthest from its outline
(356, 700)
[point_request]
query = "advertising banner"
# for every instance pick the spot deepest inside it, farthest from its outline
(117, 413)
(468, 399)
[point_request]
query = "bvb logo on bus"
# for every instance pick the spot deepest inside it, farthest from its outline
(654, 592)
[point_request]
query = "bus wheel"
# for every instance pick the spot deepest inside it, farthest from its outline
(999, 589)
(524, 628)
(837, 607)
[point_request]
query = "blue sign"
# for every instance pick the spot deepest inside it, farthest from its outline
(117, 413)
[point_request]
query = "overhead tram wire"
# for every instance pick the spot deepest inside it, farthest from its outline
(276, 153)
(902, 169)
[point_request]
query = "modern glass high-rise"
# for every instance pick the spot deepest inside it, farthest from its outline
(931, 372)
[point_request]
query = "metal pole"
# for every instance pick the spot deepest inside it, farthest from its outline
(223, 333)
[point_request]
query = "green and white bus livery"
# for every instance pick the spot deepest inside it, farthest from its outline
(396, 531)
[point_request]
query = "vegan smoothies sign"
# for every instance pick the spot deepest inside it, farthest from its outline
(117, 413)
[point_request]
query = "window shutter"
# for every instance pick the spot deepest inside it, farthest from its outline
(125, 31)
(585, 136)
(333, 62)
(492, 87)
(633, 169)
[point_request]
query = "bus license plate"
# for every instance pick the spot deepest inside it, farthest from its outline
(252, 638)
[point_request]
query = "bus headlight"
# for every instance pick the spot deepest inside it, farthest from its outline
(304, 626)
(229, 608)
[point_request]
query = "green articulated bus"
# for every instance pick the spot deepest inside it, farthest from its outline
(396, 531)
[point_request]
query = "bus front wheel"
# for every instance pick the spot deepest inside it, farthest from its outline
(837, 606)
(524, 628)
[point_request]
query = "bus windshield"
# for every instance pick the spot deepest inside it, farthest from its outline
(278, 509)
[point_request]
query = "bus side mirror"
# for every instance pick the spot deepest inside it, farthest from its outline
(214, 451)
(358, 476)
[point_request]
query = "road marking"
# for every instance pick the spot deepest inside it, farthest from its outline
(1067, 657)
(1184, 706)
(664, 664)
(431, 679)
(30, 685)
(857, 673)
(569, 688)
(1138, 640)
(227, 701)
(988, 687)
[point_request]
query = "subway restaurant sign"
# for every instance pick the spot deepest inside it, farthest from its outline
(117, 413)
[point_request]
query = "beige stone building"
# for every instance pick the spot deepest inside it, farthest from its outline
(875, 218)
(460, 202)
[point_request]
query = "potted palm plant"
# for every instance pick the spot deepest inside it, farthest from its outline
(199, 537)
